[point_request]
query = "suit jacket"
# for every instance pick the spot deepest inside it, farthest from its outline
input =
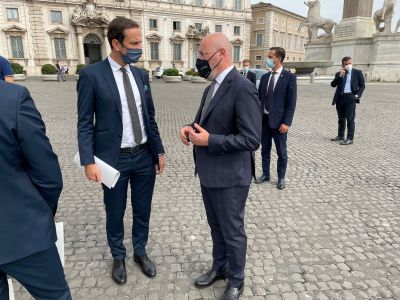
(284, 99)
(250, 76)
(357, 84)
(100, 114)
(30, 177)
(233, 120)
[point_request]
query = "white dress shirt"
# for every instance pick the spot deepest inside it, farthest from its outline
(221, 76)
(347, 87)
(276, 78)
(128, 139)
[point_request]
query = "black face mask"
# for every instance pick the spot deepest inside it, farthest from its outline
(203, 66)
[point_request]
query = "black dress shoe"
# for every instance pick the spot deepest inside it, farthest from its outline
(118, 272)
(209, 278)
(347, 142)
(262, 179)
(232, 293)
(147, 266)
(281, 184)
(338, 138)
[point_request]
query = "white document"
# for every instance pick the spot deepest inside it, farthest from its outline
(60, 241)
(109, 175)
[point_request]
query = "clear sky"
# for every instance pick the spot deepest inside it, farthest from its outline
(332, 9)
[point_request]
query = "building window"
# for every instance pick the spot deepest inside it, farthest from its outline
(236, 53)
(236, 30)
(295, 42)
(218, 3)
(56, 16)
(59, 47)
(176, 25)
(198, 2)
(154, 51)
(198, 26)
(238, 4)
(259, 39)
(275, 39)
(290, 25)
(258, 66)
(177, 1)
(276, 20)
(288, 58)
(177, 52)
(12, 14)
(218, 28)
(153, 23)
(299, 59)
(282, 40)
(302, 43)
(260, 21)
(289, 42)
(17, 47)
(258, 57)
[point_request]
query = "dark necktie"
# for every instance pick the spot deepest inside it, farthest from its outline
(133, 112)
(270, 91)
(208, 99)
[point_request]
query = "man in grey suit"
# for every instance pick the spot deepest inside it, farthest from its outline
(225, 133)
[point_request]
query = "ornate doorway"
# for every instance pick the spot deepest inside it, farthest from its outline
(92, 49)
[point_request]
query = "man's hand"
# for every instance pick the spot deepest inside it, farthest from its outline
(283, 128)
(92, 172)
(342, 72)
(161, 164)
(184, 135)
(199, 138)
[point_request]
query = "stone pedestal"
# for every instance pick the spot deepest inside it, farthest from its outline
(360, 8)
(357, 27)
(318, 51)
(385, 62)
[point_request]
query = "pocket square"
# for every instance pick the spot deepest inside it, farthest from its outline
(145, 88)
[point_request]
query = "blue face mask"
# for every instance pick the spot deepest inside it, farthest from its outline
(132, 56)
(269, 62)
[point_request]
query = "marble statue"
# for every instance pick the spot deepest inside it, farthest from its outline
(384, 15)
(315, 22)
(90, 14)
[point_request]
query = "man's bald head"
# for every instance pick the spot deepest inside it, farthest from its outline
(217, 49)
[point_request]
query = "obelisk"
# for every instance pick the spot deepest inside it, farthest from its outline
(357, 8)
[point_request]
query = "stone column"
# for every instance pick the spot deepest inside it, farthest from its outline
(106, 43)
(81, 50)
(357, 8)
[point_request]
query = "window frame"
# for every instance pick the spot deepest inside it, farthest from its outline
(151, 22)
(51, 16)
(8, 9)
(19, 53)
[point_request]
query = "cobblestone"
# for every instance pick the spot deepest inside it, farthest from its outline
(333, 233)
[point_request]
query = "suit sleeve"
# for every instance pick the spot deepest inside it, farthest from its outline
(86, 106)
(291, 98)
(254, 79)
(248, 122)
(152, 116)
(261, 88)
(361, 83)
(43, 167)
(337, 80)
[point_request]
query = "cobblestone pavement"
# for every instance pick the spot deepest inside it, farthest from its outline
(333, 233)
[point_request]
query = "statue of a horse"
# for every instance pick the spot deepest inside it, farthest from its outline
(315, 22)
(384, 15)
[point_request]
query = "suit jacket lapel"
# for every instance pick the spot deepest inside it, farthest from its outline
(223, 88)
(280, 79)
(112, 85)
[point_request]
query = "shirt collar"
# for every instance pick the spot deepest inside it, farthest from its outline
(221, 76)
(279, 71)
(115, 66)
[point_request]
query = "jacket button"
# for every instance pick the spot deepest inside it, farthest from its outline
(120, 135)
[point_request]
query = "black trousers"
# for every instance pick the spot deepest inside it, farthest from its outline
(280, 139)
(138, 170)
(225, 215)
(41, 274)
(346, 110)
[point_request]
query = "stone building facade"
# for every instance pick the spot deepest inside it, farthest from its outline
(36, 32)
(275, 26)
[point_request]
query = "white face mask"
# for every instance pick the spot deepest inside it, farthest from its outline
(246, 69)
(348, 67)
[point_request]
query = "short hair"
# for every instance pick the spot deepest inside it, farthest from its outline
(279, 52)
(117, 27)
(346, 58)
(246, 60)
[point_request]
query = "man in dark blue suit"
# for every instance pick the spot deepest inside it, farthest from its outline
(116, 123)
(30, 185)
(278, 94)
(225, 133)
(350, 86)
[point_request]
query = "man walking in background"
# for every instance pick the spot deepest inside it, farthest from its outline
(350, 85)
(246, 71)
(278, 95)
